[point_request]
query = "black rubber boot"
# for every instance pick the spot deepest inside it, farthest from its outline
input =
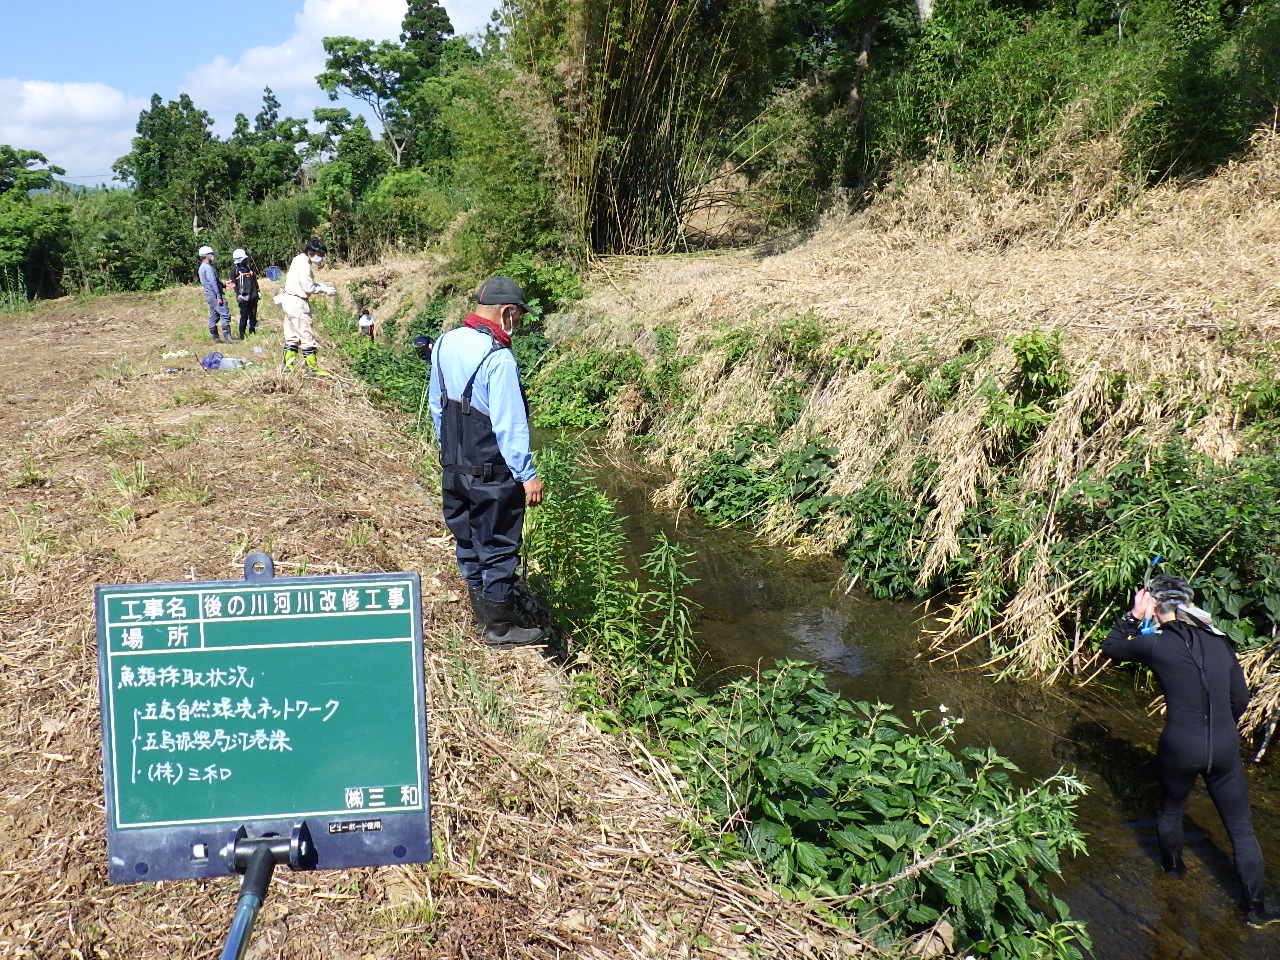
(475, 594)
(1262, 912)
(1172, 863)
(501, 631)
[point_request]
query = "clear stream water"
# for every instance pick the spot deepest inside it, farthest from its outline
(758, 604)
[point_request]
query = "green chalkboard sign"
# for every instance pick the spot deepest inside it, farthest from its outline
(264, 702)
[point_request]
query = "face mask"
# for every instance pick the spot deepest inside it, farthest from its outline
(316, 258)
(509, 323)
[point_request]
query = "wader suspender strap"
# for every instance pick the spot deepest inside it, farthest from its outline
(485, 471)
(466, 392)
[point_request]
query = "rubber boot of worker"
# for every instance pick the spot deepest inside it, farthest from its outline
(1172, 863)
(213, 332)
(290, 358)
(501, 631)
(1262, 912)
(476, 595)
(313, 363)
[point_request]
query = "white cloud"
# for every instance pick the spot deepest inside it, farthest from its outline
(85, 127)
(82, 127)
(224, 87)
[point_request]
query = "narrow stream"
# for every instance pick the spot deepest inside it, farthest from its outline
(758, 604)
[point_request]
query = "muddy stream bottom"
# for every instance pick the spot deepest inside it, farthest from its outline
(758, 604)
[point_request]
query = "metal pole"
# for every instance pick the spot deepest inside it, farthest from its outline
(253, 890)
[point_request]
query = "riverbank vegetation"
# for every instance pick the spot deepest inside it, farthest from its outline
(1012, 432)
(882, 820)
(883, 825)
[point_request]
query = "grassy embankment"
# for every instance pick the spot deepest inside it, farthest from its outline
(994, 397)
(552, 838)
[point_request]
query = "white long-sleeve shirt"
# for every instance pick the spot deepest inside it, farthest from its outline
(298, 281)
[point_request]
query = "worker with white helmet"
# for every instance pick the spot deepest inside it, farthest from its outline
(212, 286)
(244, 280)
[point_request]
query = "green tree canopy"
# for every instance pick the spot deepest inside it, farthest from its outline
(425, 29)
(18, 170)
(31, 232)
(388, 76)
(373, 73)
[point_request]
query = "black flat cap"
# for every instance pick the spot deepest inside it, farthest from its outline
(501, 290)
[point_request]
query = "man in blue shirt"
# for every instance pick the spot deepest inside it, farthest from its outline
(482, 423)
(212, 287)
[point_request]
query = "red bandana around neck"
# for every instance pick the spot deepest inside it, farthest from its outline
(477, 322)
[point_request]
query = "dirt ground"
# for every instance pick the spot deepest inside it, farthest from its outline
(120, 465)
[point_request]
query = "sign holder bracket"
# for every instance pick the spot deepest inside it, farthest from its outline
(256, 858)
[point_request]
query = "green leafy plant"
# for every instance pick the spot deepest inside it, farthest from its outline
(575, 390)
(133, 482)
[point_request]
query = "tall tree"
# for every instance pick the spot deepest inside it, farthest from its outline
(31, 232)
(423, 32)
(269, 115)
(174, 145)
(389, 76)
(372, 72)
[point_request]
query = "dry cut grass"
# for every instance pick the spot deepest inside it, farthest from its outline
(552, 839)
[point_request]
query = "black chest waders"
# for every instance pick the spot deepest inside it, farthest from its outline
(468, 444)
(483, 508)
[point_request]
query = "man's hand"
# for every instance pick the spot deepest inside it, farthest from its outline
(1144, 605)
(533, 492)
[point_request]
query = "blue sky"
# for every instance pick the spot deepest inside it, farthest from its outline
(73, 75)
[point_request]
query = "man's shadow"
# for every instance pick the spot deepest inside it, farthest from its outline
(1129, 771)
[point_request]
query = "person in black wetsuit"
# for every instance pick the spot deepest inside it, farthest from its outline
(1205, 695)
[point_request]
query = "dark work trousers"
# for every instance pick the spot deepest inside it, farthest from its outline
(486, 518)
(219, 311)
(1180, 761)
(248, 316)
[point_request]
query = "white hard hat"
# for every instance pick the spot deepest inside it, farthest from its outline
(205, 251)
(238, 254)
